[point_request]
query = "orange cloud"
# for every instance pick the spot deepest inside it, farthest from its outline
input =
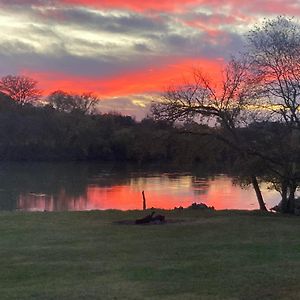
(136, 5)
(154, 79)
(256, 6)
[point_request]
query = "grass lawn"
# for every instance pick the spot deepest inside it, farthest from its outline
(208, 255)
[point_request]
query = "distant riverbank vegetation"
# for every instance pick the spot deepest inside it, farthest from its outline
(59, 132)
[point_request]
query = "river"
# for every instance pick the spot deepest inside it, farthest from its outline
(95, 186)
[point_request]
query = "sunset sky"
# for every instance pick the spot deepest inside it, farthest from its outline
(125, 51)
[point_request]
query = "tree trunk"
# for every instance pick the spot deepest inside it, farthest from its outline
(291, 199)
(284, 200)
(259, 196)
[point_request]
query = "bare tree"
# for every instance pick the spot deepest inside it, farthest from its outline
(22, 89)
(273, 51)
(84, 103)
(264, 83)
(224, 105)
(203, 98)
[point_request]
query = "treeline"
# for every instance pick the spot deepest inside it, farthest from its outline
(28, 132)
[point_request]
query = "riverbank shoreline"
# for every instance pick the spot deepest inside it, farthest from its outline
(206, 255)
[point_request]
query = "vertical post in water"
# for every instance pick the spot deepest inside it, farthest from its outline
(144, 200)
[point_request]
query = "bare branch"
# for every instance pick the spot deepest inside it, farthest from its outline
(22, 89)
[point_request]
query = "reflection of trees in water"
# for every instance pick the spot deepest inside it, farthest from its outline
(32, 202)
(184, 180)
(200, 185)
(55, 186)
(64, 186)
(45, 178)
(59, 202)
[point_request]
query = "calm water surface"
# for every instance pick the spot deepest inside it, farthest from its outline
(83, 186)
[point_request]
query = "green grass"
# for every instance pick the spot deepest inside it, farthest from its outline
(208, 255)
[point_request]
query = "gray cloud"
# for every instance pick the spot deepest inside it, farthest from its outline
(202, 45)
(25, 2)
(15, 47)
(114, 23)
(17, 56)
(211, 19)
(158, 36)
(142, 47)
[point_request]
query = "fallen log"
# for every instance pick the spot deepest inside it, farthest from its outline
(151, 219)
(158, 218)
(146, 219)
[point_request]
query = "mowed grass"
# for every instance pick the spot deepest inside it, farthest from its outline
(206, 255)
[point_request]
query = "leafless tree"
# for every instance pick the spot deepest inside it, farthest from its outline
(225, 105)
(273, 51)
(22, 89)
(222, 103)
(264, 83)
(86, 102)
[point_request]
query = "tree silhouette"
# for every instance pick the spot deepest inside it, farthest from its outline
(225, 105)
(22, 89)
(84, 103)
(261, 94)
(273, 53)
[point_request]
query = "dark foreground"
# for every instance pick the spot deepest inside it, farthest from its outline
(206, 255)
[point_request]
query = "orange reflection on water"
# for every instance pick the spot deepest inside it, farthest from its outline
(222, 194)
(162, 191)
(126, 198)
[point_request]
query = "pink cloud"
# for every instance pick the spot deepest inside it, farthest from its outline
(155, 79)
(136, 5)
(257, 6)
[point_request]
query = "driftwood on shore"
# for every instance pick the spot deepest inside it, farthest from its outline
(158, 219)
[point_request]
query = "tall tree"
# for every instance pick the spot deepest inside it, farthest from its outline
(273, 52)
(22, 89)
(224, 105)
(264, 86)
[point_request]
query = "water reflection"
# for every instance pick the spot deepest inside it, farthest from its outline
(82, 186)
